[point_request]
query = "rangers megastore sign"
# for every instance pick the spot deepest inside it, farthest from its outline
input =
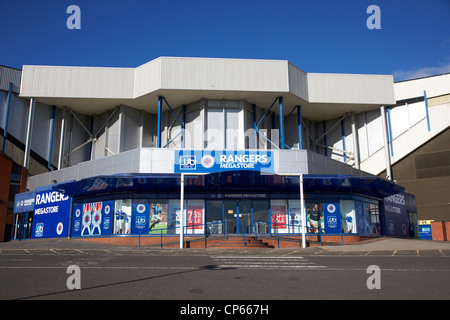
(51, 215)
(209, 161)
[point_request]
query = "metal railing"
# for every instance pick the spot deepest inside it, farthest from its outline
(310, 231)
(206, 231)
(270, 226)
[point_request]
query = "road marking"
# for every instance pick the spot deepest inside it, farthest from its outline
(393, 253)
(261, 262)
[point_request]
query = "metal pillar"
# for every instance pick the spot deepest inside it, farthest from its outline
(388, 112)
(159, 124)
(255, 127)
(386, 143)
(26, 159)
(183, 126)
(426, 109)
(299, 123)
(50, 142)
(343, 141)
(280, 102)
(8, 102)
(355, 142)
(324, 127)
(62, 137)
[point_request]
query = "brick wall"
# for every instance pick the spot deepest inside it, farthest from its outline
(5, 179)
(440, 230)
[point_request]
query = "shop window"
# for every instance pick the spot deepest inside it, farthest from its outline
(122, 216)
(195, 216)
(173, 217)
(314, 216)
(194, 211)
(214, 216)
(295, 217)
(348, 219)
(278, 211)
(261, 216)
(375, 218)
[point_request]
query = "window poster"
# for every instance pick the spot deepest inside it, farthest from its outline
(295, 217)
(92, 219)
(314, 216)
(140, 217)
(332, 217)
(278, 216)
(158, 217)
(195, 216)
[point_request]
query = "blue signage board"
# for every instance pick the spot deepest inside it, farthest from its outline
(332, 217)
(51, 214)
(425, 230)
(141, 214)
(24, 202)
(92, 219)
(210, 161)
(396, 215)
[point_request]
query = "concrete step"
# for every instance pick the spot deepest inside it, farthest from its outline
(250, 242)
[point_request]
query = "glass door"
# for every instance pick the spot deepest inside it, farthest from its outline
(245, 216)
(17, 224)
(238, 215)
(23, 223)
(28, 224)
(231, 213)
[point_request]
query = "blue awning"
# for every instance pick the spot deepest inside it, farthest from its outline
(236, 181)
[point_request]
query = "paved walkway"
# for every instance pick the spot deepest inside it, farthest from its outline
(390, 244)
(374, 245)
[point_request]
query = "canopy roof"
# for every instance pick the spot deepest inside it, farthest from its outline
(225, 182)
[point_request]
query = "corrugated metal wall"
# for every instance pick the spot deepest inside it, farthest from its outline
(8, 75)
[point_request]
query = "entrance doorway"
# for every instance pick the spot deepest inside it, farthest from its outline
(238, 215)
(242, 216)
(23, 223)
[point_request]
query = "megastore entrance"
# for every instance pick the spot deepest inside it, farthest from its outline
(241, 216)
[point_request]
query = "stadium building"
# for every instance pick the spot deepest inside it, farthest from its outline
(234, 144)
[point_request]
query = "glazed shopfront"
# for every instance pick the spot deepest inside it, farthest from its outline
(248, 198)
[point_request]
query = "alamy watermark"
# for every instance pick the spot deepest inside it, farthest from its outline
(374, 21)
(374, 280)
(74, 20)
(74, 280)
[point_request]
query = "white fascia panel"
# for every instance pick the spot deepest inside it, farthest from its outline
(351, 88)
(77, 82)
(224, 74)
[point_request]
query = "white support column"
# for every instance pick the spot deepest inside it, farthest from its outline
(26, 159)
(386, 143)
(182, 212)
(303, 212)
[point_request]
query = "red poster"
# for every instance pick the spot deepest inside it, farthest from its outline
(195, 217)
(279, 217)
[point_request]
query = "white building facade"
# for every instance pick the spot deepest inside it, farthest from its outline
(86, 128)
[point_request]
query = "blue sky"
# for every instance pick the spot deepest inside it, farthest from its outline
(315, 35)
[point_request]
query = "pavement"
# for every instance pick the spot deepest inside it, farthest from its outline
(376, 246)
